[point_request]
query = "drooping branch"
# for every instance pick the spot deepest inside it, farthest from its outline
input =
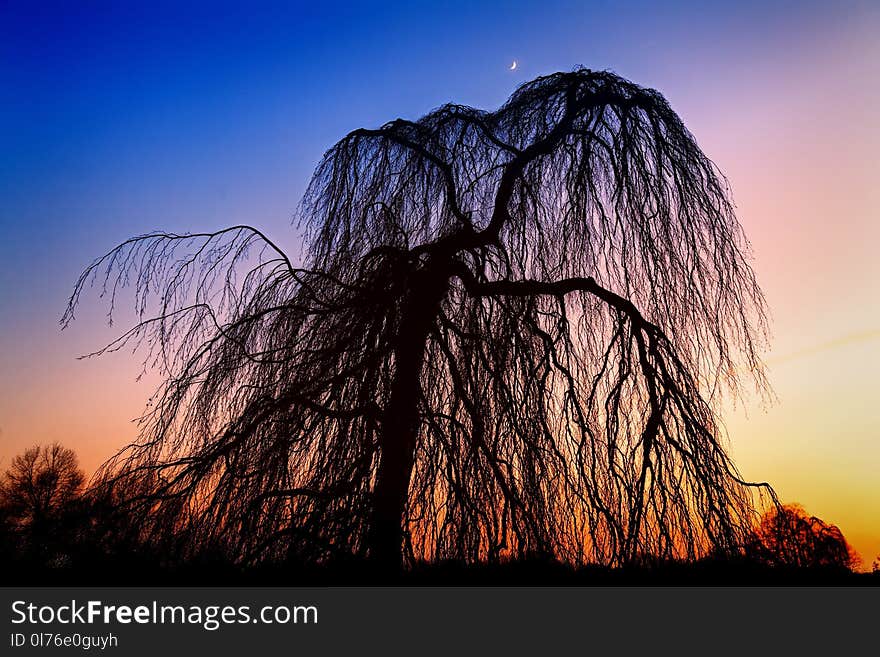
(675, 424)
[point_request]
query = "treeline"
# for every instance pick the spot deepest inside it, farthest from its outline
(55, 529)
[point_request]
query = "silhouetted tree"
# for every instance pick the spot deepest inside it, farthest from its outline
(505, 339)
(788, 536)
(40, 483)
(37, 494)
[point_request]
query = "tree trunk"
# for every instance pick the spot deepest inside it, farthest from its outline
(400, 419)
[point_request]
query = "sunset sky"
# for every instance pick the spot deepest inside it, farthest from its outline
(115, 122)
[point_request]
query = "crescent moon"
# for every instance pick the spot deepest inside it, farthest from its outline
(513, 66)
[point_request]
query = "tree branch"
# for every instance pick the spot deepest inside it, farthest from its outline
(527, 288)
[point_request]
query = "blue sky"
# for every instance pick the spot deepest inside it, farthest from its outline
(119, 118)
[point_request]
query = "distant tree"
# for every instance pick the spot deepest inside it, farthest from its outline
(41, 483)
(506, 339)
(789, 536)
(41, 506)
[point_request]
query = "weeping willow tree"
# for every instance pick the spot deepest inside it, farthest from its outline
(507, 336)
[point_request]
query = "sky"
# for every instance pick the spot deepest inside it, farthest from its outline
(117, 120)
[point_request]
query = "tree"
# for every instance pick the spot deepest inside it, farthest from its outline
(39, 496)
(789, 536)
(506, 338)
(40, 484)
